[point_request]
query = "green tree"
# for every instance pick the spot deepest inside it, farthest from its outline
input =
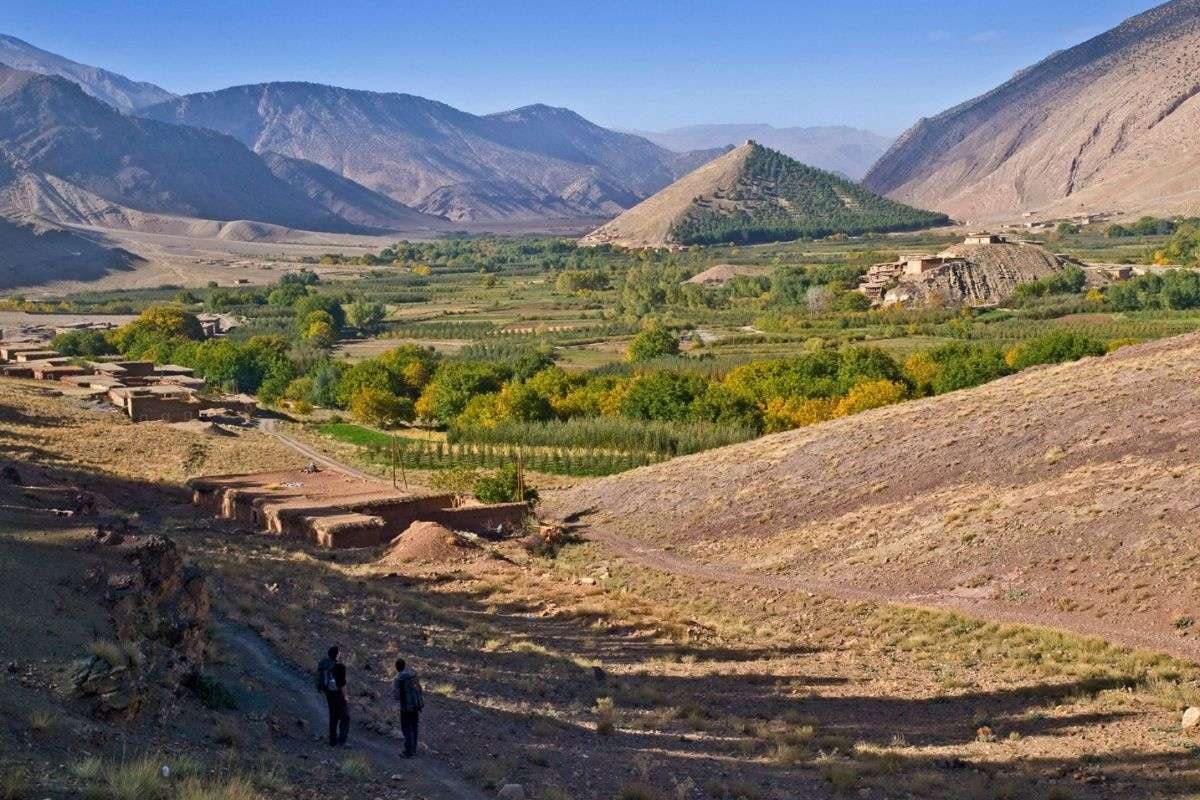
(662, 395)
(321, 302)
(82, 343)
(380, 408)
(454, 384)
(501, 487)
(653, 342)
(1055, 348)
(366, 316)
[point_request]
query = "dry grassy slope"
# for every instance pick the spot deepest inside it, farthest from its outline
(37, 426)
(649, 223)
(1108, 124)
(1065, 495)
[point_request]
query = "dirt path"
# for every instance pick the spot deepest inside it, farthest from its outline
(270, 427)
(654, 558)
(291, 692)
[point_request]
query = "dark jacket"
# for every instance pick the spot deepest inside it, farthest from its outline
(406, 691)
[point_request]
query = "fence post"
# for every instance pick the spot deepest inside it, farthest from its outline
(520, 476)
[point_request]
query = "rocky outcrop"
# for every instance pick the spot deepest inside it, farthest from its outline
(160, 612)
(963, 275)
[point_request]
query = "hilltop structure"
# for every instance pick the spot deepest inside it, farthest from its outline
(984, 270)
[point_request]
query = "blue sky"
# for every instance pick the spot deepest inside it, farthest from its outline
(647, 65)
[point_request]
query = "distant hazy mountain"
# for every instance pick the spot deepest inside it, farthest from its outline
(848, 151)
(531, 163)
(72, 156)
(116, 90)
(1108, 125)
(755, 194)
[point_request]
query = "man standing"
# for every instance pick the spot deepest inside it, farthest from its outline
(331, 680)
(406, 690)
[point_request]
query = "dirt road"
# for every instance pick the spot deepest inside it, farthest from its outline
(291, 693)
(654, 558)
(270, 427)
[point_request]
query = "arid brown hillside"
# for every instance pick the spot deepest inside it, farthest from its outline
(1106, 125)
(1064, 495)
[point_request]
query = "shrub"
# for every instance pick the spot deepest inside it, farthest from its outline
(212, 693)
(1055, 348)
(501, 487)
(606, 717)
(356, 768)
(14, 783)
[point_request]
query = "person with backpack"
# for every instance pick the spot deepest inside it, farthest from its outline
(331, 681)
(406, 691)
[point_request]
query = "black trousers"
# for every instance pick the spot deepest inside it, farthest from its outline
(409, 722)
(339, 717)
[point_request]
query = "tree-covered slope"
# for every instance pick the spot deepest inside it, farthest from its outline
(778, 198)
(755, 194)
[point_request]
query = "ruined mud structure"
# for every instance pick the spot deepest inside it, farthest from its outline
(142, 390)
(335, 510)
(984, 270)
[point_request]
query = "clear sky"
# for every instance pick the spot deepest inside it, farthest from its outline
(642, 65)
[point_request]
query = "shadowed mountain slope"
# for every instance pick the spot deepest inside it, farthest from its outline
(55, 134)
(35, 251)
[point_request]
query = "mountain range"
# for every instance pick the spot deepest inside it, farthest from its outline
(116, 90)
(1108, 125)
(535, 162)
(755, 194)
(850, 152)
(72, 158)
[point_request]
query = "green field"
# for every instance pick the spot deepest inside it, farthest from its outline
(522, 345)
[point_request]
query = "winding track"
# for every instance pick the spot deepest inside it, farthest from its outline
(651, 557)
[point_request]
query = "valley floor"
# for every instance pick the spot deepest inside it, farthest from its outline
(589, 673)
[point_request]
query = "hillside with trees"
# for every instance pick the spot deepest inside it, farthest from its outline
(752, 195)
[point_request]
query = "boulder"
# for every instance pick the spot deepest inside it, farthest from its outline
(1191, 718)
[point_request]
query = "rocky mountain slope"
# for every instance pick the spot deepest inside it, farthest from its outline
(529, 163)
(351, 201)
(836, 148)
(116, 90)
(754, 194)
(34, 251)
(1106, 125)
(75, 159)
(1061, 495)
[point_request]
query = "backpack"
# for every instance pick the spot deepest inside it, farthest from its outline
(326, 682)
